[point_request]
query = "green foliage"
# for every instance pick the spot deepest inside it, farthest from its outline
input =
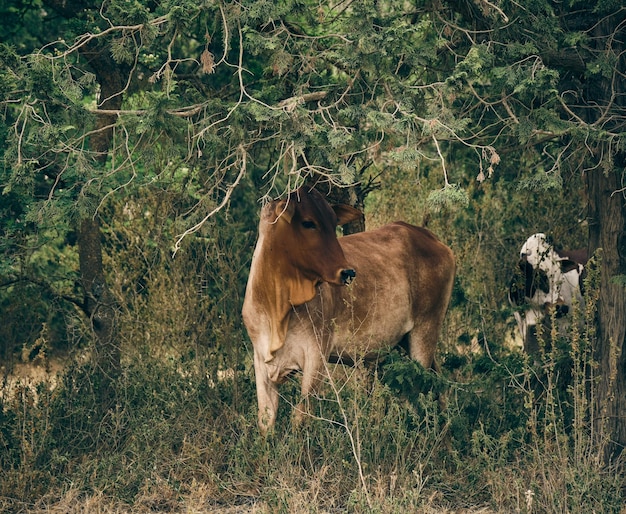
(542, 181)
(449, 196)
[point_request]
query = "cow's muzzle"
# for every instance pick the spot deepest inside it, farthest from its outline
(347, 275)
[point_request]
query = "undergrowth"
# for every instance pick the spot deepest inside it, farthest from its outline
(510, 438)
(494, 431)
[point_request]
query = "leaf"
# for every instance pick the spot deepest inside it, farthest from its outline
(338, 138)
(450, 196)
(208, 62)
(347, 174)
(542, 181)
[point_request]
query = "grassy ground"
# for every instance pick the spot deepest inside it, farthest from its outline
(175, 438)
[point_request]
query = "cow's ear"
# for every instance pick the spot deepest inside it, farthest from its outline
(567, 265)
(285, 209)
(346, 214)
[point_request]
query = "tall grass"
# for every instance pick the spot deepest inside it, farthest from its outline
(565, 453)
(403, 440)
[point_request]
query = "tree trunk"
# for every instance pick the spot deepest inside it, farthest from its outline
(607, 230)
(99, 302)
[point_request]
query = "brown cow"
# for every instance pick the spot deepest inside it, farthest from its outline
(298, 316)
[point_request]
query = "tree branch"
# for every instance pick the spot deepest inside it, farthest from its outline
(227, 195)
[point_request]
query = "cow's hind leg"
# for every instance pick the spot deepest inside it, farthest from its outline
(422, 343)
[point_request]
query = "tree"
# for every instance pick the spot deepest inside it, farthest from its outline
(604, 110)
(212, 94)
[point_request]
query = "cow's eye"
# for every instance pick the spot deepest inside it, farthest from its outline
(309, 224)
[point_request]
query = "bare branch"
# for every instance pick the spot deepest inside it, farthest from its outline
(227, 195)
(88, 38)
(443, 161)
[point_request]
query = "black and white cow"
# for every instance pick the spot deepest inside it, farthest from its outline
(547, 280)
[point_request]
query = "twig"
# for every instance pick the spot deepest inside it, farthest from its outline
(227, 195)
(443, 161)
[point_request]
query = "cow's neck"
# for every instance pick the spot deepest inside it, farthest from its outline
(283, 287)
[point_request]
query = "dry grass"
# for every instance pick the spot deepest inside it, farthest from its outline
(199, 502)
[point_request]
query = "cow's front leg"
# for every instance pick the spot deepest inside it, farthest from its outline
(311, 375)
(267, 395)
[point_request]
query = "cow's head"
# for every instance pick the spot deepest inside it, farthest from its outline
(538, 252)
(302, 234)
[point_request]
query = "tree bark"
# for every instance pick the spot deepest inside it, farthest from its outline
(99, 302)
(607, 230)
(605, 100)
